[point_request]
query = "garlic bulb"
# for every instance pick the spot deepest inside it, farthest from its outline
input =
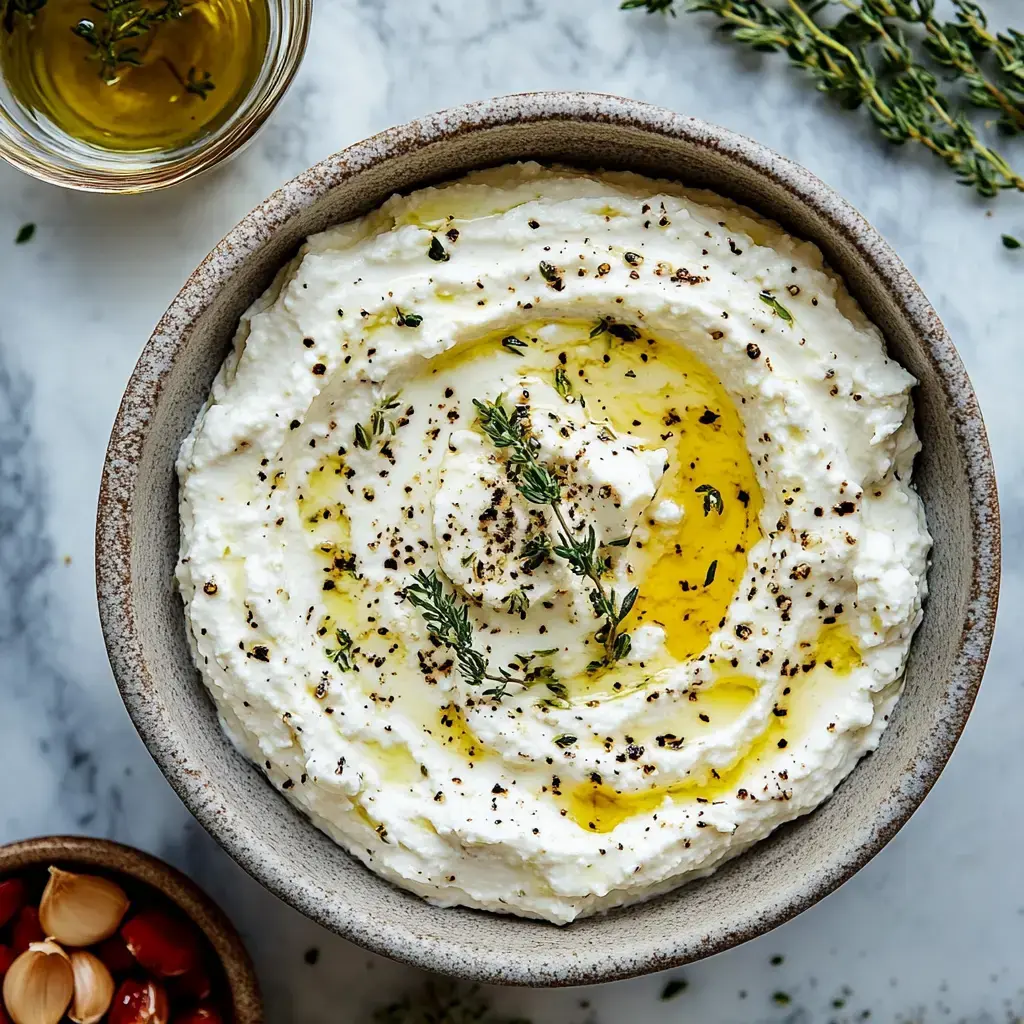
(39, 985)
(94, 988)
(78, 910)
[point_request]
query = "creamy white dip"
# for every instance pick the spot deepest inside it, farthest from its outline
(710, 400)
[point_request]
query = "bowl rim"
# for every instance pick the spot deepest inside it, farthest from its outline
(119, 859)
(113, 531)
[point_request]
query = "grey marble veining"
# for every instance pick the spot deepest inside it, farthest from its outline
(931, 930)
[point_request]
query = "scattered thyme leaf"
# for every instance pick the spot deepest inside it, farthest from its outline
(673, 987)
(437, 251)
(712, 499)
(710, 577)
(562, 383)
(1009, 242)
(513, 344)
(404, 319)
(624, 332)
(777, 307)
(379, 423)
(551, 274)
(443, 1002)
(27, 232)
(565, 740)
(340, 654)
(516, 602)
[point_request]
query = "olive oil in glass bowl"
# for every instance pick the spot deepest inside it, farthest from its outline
(131, 95)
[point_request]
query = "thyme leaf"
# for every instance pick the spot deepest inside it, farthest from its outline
(340, 654)
(437, 251)
(777, 307)
(513, 344)
(712, 499)
(624, 332)
(378, 424)
(404, 319)
(516, 602)
(562, 383)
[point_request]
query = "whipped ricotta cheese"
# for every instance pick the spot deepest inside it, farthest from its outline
(725, 429)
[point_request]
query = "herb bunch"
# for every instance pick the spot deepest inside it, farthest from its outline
(865, 58)
(539, 486)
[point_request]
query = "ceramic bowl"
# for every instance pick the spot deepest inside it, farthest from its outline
(137, 541)
(136, 870)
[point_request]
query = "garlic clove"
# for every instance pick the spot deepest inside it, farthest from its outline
(94, 988)
(39, 985)
(139, 1002)
(78, 910)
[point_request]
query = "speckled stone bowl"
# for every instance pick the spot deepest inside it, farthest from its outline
(137, 539)
(84, 854)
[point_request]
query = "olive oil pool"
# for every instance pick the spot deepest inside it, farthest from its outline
(132, 75)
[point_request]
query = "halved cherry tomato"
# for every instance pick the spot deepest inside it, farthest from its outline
(139, 1002)
(116, 955)
(13, 896)
(7, 957)
(26, 929)
(162, 944)
(202, 1014)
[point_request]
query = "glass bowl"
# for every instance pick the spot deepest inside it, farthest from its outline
(36, 147)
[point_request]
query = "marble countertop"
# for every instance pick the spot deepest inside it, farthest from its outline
(931, 930)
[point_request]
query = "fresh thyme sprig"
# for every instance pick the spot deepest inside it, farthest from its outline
(378, 423)
(538, 485)
(865, 59)
(448, 623)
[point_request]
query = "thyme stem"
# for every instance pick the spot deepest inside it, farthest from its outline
(539, 486)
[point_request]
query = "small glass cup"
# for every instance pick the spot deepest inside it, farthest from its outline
(29, 144)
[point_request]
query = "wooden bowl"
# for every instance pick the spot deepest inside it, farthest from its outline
(137, 869)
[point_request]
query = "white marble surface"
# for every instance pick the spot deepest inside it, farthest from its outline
(932, 930)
